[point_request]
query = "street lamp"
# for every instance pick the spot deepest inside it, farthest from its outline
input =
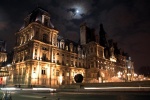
(129, 76)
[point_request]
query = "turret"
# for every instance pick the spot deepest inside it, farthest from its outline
(83, 34)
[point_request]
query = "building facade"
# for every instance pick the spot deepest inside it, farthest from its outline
(3, 54)
(3, 59)
(43, 58)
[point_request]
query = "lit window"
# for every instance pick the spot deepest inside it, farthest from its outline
(57, 73)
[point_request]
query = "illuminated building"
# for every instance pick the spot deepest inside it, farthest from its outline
(3, 54)
(3, 59)
(43, 58)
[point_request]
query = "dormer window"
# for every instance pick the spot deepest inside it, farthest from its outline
(45, 20)
(67, 48)
(62, 44)
(71, 47)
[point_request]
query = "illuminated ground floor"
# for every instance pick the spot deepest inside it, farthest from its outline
(76, 95)
(39, 73)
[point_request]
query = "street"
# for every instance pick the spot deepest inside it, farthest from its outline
(39, 94)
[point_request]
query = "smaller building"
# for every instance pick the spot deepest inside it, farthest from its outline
(3, 54)
(3, 58)
(3, 76)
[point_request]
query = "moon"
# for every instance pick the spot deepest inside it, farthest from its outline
(77, 11)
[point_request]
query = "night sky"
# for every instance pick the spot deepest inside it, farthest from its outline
(127, 22)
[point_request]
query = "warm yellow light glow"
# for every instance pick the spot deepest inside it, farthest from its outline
(135, 75)
(102, 74)
(67, 74)
(99, 80)
(48, 71)
(129, 67)
(34, 75)
(8, 65)
(119, 74)
(112, 59)
(51, 89)
(92, 88)
(34, 78)
(128, 74)
(60, 79)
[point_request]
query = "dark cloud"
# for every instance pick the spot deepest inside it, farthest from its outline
(128, 24)
(3, 25)
(125, 21)
(138, 47)
(3, 20)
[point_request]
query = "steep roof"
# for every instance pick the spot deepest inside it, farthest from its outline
(37, 13)
(36, 16)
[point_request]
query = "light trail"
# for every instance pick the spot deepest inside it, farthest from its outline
(12, 88)
(116, 88)
(50, 89)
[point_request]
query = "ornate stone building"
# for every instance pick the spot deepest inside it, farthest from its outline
(3, 59)
(42, 57)
(3, 54)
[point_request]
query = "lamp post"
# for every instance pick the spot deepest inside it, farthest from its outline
(129, 76)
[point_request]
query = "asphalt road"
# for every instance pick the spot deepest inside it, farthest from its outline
(30, 95)
(40, 95)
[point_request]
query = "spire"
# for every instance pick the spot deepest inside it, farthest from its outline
(102, 36)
